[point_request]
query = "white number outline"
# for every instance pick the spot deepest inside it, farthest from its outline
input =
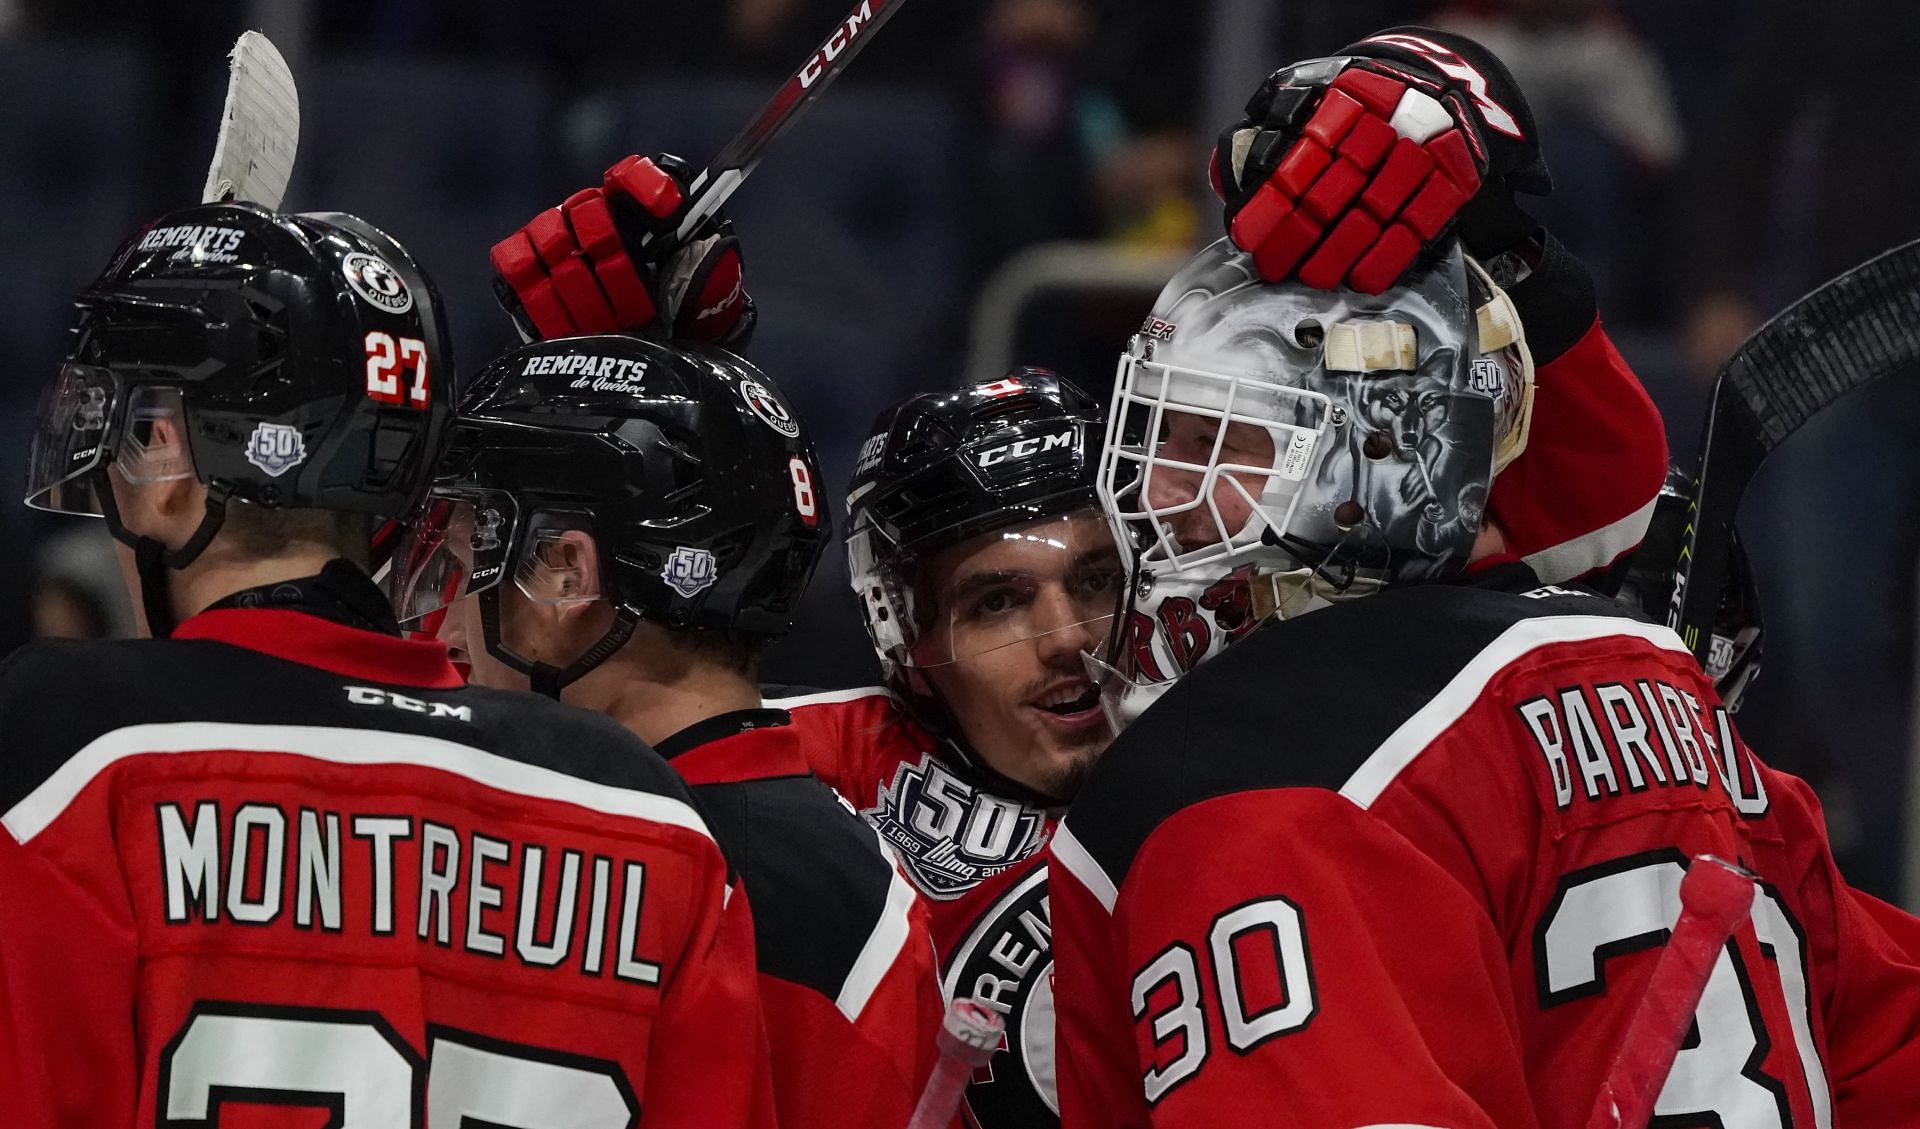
(805, 501)
(387, 357)
(516, 1071)
(1775, 929)
(1179, 964)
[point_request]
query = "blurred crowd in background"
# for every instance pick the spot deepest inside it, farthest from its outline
(1008, 181)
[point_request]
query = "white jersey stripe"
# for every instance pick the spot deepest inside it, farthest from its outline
(828, 697)
(1079, 862)
(1420, 730)
(43, 805)
(883, 947)
(1581, 555)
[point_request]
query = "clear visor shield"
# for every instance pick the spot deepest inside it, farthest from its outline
(71, 440)
(456, 545)
(1199, 467)
(1054, 582)
(83, 424)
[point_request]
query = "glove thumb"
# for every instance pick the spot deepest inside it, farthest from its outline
(706, 300)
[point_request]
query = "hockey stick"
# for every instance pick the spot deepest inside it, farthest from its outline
(720, 179)
(1855, 330)
(259, 127)
(968, 1039)
(1715, 898)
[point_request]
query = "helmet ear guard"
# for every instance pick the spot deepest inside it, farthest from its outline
(1499, 328)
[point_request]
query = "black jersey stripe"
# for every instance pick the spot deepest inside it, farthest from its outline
(1305, 703)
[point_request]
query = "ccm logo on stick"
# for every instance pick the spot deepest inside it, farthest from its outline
(370, 696)
(1025, 448)
(836, 43)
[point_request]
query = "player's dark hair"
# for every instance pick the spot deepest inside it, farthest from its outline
(260, 532)
(732, 650)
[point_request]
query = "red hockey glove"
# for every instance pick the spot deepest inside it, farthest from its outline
(580, 267)
(1345, 167)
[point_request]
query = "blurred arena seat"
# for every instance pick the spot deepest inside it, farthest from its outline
(70, 166)
(73, 163)
(448, 157)
(852, 231)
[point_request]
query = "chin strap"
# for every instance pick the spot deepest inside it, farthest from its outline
(546, 678)
(154, 563)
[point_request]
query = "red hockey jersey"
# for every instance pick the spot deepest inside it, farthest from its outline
(976, 856)
(1409, 860)
(848, 972)
(1578, 500)
(277, 861)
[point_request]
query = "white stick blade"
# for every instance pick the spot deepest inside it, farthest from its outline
(259, 127)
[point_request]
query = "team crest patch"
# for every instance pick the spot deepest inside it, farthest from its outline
(1006, 964)
(377, 283)
(276, 448)
(951, 835)
(770, 410)
(690, 571)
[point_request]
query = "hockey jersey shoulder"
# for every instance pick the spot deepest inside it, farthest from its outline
(853, 740)
(830, 912)
(1312, 702)
(58, 699)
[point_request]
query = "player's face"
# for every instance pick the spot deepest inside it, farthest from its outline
(1014, 610)
(465, 638)
(1190, 439)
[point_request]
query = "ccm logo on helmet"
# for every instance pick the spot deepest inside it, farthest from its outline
(836, 43)
(1025, 449)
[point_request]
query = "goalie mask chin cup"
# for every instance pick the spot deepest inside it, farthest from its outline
(1302, 445)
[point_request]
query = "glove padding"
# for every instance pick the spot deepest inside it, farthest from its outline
(581, 267)
(1345, 167)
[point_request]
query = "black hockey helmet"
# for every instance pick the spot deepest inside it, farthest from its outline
(303, 357)
(684, 464)
(1733, 654)
(943, 468)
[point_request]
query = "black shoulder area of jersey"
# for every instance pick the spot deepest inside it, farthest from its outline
(813, 871)
(1302, 703)
(57, 697)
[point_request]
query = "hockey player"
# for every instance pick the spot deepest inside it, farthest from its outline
(1405, 853)
(985, 572)
(624, 525)
(966, 759)
(279, 856)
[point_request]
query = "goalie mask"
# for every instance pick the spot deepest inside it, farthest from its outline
(282, 360)
(1273, 446)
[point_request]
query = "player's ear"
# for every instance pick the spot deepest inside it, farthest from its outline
(155, 486)
(571, 562)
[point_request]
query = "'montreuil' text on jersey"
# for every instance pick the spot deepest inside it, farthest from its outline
(278, 861)
(1410, 859)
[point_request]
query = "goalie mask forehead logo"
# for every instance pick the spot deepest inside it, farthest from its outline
(377, 283)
